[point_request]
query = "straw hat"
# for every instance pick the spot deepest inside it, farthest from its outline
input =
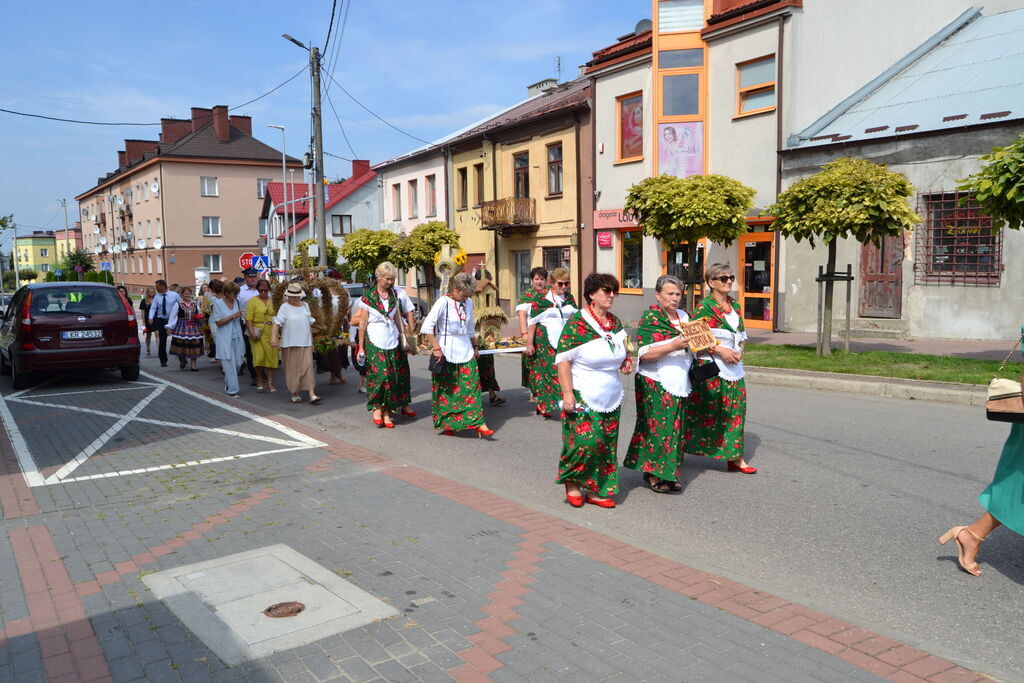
(294, 289)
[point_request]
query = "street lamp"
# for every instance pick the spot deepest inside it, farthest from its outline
(297, 42)
(284, 188)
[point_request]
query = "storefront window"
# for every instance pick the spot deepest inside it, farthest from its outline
(676, 263)
(631, 263)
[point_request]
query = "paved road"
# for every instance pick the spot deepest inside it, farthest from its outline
(840, 475)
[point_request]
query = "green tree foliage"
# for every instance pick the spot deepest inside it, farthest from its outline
(418, 248)
(848, 198)
(27, 274)
(677, 210)
(999, 186)
(365, 249)
(6, 222)
(332, 254)
(77, 257)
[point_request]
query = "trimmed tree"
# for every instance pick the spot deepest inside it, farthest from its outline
(77, 257)
(998, 188)
(365, 249)
(677, 210)
(27, 274)
(418, 248)
(302, 247)
(848, 198)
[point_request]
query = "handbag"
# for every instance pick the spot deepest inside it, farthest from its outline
(1004, 402)
(703, 372)
(438, 366)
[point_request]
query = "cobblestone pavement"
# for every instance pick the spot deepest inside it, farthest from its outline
(104, 482)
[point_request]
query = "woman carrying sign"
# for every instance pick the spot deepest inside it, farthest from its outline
(662, 385)
(547, 316)
(591, 353)
(380, 328)
(717, 407)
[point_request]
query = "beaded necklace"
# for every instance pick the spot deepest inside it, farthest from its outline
(607, 327)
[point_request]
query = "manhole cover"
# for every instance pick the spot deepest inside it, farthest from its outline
(284, 609)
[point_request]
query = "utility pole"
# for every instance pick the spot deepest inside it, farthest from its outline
(318, 156)
(67, 237)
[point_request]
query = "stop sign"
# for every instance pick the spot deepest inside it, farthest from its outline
(245, 260)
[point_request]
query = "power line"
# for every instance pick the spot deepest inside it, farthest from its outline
(123, 123)
(340, 125)
(336, 156)
(330, 26)
(374, 114)
(336, 50)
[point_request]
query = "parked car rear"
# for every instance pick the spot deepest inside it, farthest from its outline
(61, 326)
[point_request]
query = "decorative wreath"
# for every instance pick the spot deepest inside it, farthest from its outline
(328, 330)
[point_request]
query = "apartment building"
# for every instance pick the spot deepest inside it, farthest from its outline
(37, 251)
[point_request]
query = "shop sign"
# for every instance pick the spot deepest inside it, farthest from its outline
(605, 219)
(604, 240)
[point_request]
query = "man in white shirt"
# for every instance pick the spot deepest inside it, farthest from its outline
(163, 313)
(246, 292)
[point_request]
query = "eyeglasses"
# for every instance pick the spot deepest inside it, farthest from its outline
(725, 279)
(562, 284)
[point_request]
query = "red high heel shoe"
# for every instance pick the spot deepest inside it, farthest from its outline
(447, 432)
(408, 412)
(574, 498)
(379, 421)
(603, 502)
(733, 467)
(389, 425)
(542, 413)
(482, 432)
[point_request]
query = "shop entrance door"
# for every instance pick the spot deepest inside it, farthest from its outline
(676, 260)
(522, 266)
(881, 279)
(757, 279)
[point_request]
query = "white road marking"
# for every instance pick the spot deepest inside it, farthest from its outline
(25, 461)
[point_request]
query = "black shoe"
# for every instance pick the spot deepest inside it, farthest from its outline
(163, 365)
(181, 364)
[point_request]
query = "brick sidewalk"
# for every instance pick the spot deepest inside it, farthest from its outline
(488, 589)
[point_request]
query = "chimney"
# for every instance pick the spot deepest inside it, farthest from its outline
(172, 130)
(242, 123)
(541, 87)
(122, 159)
(220, 122)
(134, 149)
(359, 167)
(200, 117)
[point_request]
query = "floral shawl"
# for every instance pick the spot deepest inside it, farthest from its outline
(578, 331)
(542, 303)
(372, 300)
(709, 308)
(655, 326)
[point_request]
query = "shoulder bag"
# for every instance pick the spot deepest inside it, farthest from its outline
(438, 366)
(1004, 402)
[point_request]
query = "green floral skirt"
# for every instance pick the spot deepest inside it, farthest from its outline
(384, 390)
(589, 457)
(715, 415)
(488, 377)
(657, 443)
(455, 400)
(404, 378)
(543, 375)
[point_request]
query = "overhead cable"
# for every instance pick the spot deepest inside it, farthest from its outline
(373, 113)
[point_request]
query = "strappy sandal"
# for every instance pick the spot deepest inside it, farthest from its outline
(954, 534)
(497, 401)
(659, 487)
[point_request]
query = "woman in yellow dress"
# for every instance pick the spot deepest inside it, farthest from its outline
(259, 316)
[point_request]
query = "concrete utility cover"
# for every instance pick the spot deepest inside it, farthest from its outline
(222, 602)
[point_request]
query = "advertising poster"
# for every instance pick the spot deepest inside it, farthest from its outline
(632, 127)
(681, 148)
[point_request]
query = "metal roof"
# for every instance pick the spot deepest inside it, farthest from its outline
(974, 76)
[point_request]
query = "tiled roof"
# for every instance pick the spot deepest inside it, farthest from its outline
(275, 196)
(204, 143)
(975, 76)
(335, 193)
(638, 42)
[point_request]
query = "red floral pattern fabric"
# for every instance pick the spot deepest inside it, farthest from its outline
(589, 455)
(715, 415)
(488, 377)
(455, 403)
(384, 388)
(657, 443)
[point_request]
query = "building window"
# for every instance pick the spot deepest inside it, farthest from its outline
(43, 253)
(396, 202)
(212, 261)
(158, 233)
(463, 197)
(631, 127)
(261, 187)
(631, 260)
(680, 59)
(138, 192)
(341, 225)
(208, 186)
(478, 178)
(680, 95)
(149, 229)
(44, 267)
(521, 173)
(431, 195)
(957, 245)
(755, 86)
(145, 191)
(555, 169)
(414, 209)
(149, 265)
(211, 226)
(160, 265)
(556, 257)
(263, 226)
(680, 15)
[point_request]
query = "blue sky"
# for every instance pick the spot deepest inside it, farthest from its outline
(427, 66)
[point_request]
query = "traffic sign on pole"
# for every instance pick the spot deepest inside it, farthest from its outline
(245, 260)
(261, 262)
(105, 265)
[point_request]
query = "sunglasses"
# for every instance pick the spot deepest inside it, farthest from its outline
(725, 279)
(562, 284)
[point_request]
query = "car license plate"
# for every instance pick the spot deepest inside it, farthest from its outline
(81, 334)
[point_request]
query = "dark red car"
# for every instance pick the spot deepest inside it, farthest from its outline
(62, 326)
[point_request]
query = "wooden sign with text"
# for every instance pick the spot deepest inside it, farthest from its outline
(699, 335)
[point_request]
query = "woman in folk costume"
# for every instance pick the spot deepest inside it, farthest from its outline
(662, 385)
(591, 353)
(380, 330)
(450, 331)
(717, 408)
(538, 288)
(408, 313)
(547, 317)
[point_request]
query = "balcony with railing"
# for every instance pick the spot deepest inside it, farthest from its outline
(509, 216)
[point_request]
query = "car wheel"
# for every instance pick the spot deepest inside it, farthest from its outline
(19, 380)
(130, 373)
(5, 369)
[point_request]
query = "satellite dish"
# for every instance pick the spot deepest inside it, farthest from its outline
(643, 25)
(142, 244)
(155, 187)
(103, 240)
(85, 212)
(96, 230)
(128, 191)
(157, 243)
(97, 249)
(124, 246)
(120, 201)
(94, 217)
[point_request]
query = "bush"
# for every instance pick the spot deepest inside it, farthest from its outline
(28, 274)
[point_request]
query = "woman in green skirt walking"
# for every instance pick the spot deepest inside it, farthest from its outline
(591, 353)
(455, 391)
(662, 385)
(380, 329)
(538, 287)
(547, 316)
(717, 408)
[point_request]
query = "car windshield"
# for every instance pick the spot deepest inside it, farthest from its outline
(73, 300)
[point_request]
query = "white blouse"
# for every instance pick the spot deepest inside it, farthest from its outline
(380, 329)
(595, 368)
(671, 371)
(732, 372)
(294, 322)
(553, 318)
(452, 325)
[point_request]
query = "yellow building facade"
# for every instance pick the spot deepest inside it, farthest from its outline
(472, 183)
(36, 252)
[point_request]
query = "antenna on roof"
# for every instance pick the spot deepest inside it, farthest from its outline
(558, 67)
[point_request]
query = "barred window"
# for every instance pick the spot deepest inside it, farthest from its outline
(956, 244)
